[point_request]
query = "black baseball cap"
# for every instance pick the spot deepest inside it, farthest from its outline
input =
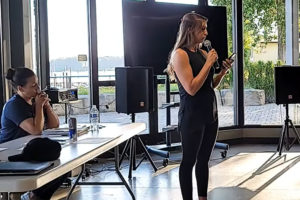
(38, 149)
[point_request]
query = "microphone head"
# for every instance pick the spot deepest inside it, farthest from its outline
(207, 43)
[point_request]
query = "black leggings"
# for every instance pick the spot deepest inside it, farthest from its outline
(197, 146)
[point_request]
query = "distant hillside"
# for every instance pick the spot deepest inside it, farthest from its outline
(105, 63)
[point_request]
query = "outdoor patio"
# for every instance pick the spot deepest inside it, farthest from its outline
(267, 114)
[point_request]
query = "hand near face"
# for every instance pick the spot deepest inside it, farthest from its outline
(47, 105)
(42, 99)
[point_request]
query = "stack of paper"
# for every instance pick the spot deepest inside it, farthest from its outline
(81, 129)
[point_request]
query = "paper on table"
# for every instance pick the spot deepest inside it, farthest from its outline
(94, 140)
(66, 127)
(65, 131)
(20, 149)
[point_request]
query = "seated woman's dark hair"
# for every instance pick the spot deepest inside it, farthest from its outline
(19, 76)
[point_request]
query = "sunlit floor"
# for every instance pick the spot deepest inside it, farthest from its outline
(248, 172)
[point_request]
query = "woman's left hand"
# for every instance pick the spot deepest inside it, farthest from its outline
(227, 64)
(47, 105)
(44, 95)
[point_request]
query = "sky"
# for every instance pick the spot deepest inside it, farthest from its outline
(67, 26)
(68, 31)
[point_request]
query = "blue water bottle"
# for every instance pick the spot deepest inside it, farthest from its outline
(73, 129)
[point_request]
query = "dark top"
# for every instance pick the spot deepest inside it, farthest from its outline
(14, 112)
(202, 107)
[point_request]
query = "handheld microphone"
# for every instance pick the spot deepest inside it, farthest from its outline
(207, 44)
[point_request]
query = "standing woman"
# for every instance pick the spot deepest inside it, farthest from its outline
(197, 118)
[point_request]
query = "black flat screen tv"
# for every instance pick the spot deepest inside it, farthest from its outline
(150, 30)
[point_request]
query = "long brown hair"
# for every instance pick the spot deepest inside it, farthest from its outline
(190, 23)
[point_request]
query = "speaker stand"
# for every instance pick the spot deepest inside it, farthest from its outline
(131, 145)
(285, 136)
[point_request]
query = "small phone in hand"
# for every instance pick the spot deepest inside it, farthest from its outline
(232, 56)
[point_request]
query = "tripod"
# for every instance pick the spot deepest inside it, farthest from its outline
(285, 137)
(131, 145)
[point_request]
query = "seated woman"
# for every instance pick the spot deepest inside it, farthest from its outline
(26, 113)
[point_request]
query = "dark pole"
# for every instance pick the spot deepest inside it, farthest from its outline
(203, 2)
(153, 114)
(16, 33)
(168, 100)
(43, 65)
(132, 117)
(238, 80)
(93, 53)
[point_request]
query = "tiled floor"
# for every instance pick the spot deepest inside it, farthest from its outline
(248, 172)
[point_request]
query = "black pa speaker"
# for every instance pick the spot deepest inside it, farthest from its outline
(287, 84)
(134, 89)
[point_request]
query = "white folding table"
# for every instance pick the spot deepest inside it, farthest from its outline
(72, 156)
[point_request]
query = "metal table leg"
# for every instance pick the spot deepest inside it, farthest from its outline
(117, 166)
(76, 182)
(119, 173)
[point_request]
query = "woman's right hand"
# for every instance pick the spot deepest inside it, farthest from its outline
(212, 57)
(41, 99)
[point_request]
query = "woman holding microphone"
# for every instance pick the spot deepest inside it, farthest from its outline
(193, 69)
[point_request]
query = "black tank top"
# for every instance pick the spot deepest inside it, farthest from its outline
(202, 107)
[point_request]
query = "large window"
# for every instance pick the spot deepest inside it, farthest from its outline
(110, 56)
(224, 92)
(68, 38)
(264, 48)
(110, 38)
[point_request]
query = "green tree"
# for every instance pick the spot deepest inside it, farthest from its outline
(262, 19)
